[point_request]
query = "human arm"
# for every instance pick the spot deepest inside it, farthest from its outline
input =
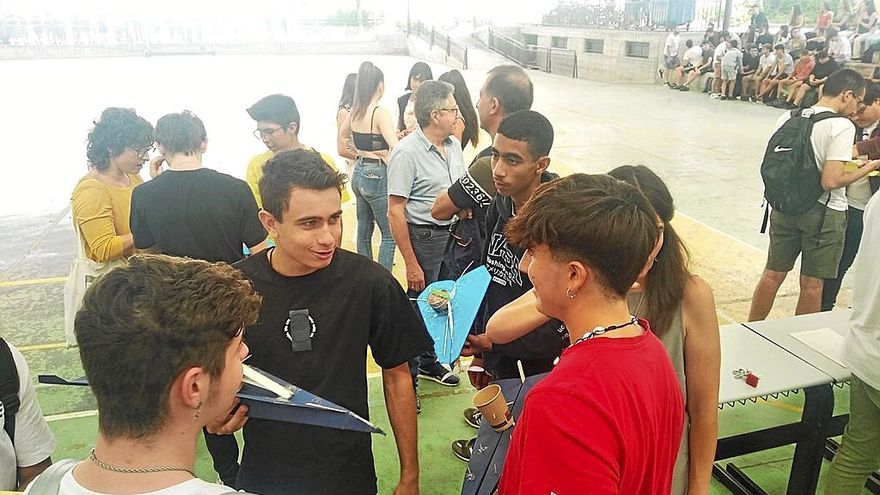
(93, 216)
(444, 208)
(34, 442)
(702, 357)
(834, 176)
(869, 147)
(27, 474)
(415, 277)
(253, 234)
(515, 319)
(343, 135)
(401, 404)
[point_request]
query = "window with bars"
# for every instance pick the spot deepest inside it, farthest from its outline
(637, 49)
(594, 46)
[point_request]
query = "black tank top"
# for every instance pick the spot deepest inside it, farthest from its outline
(369, 141)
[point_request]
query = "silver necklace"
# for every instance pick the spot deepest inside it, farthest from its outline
(117, 469)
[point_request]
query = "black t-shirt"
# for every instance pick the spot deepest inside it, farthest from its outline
(352, 303)
(751, 63)
(538, 348)
(473, 190)
(821, 70)
(201, 214)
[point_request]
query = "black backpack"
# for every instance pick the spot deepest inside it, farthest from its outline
(9, 385)
(792, 181)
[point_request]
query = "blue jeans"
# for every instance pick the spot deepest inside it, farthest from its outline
(370, 184)
(429, 246)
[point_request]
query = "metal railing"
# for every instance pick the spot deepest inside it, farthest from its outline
(638, 14)
(454, 49)
(545, 58)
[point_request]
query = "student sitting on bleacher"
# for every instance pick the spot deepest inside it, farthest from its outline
(766, 64)
(788, 86)
(704, 67)
(811, 88)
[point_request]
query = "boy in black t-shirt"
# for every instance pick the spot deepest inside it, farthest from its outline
(520, 160)
(351, 302)
(189, 210)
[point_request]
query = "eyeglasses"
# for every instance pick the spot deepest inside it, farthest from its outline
(454, 110)
(266, 133)
(861, 106)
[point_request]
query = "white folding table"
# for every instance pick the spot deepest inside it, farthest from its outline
(780, 372)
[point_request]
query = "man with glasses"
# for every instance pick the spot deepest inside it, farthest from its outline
(423, 165)
(818, 234)
(859, 192)
(278, 125)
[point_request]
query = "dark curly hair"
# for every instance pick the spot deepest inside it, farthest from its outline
(115, 130)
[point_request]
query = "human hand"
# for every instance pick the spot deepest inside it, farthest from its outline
(415, 277)
(478, 375)
(407, 487)
(466, 214)
(230, 423)
(476, 344)
(156, 166)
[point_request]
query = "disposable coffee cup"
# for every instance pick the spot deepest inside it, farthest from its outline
(492, 404)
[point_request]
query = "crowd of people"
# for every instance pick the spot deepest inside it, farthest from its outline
(589, 278)
(786, 69)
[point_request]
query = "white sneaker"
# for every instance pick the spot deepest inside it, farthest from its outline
(715, 96)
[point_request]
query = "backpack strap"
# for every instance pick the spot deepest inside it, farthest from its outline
(49, 482)
(9, 386)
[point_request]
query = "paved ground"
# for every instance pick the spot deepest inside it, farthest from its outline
(708, 152)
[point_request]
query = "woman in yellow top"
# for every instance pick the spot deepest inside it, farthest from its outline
(117, 148)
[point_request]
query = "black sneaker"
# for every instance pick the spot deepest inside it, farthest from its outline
(684, 88)
(463, 449)
(473, 417)
(438, 373)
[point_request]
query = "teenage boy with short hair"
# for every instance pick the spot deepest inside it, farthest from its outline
(520, 157)
(189, 210)
(302, 211)
(278, 126)
(608, 418)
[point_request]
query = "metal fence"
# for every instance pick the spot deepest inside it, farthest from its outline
(638, 14)
(548, 59)
(455, 50)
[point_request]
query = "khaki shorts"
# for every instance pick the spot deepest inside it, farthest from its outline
(793, 235)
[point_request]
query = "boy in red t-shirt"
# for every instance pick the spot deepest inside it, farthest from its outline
(608, 419)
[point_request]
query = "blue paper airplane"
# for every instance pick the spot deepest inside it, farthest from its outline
(450, 324)
(303, 407)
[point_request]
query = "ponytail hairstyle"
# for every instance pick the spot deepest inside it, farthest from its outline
(665, 282)
(369, 77)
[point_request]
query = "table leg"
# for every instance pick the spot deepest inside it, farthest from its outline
(816, 419)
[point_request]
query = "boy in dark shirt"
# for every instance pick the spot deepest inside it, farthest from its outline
(520, 160)
(302, 212)
(189, 210)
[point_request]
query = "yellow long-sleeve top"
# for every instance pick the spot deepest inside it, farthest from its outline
(101, 213)
(255, 171)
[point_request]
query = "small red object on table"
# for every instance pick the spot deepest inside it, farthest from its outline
(752, 380)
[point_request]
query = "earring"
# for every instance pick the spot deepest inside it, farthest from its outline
(569, 294)
(198, 411)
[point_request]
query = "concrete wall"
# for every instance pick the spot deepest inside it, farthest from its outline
(612, 64)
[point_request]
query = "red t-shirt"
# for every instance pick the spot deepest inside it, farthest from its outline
(607, 420)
